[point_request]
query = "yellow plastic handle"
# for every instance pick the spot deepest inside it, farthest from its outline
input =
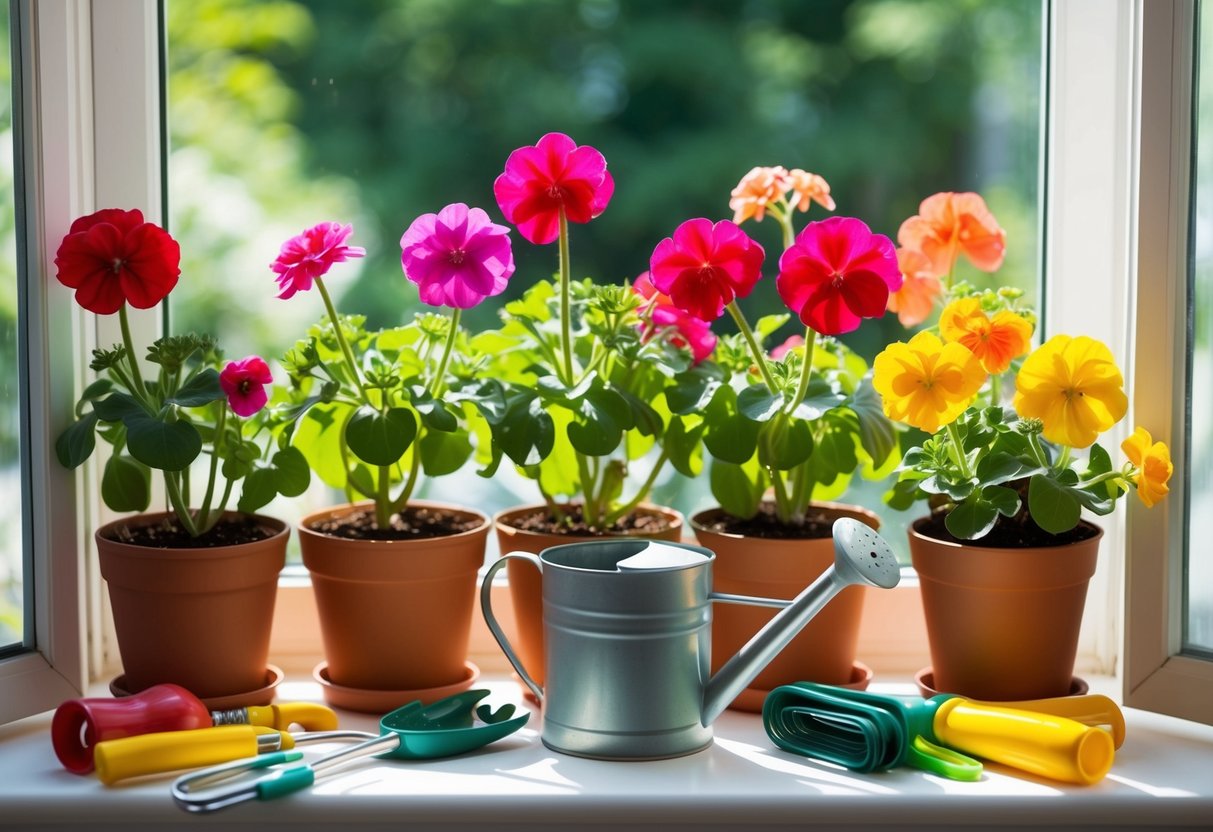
(1089, 709)
(311, 716)
(1038, 743)
(172, 750)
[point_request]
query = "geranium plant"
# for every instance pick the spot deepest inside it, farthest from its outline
(578, 370)
(373, 411)
(195, 407)
(807, 421)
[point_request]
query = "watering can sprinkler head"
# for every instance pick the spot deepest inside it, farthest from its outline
(861, 556)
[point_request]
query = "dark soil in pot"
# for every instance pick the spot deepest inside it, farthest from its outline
(766, 524)
(1008, 533)
(414, 523)
(168, 534)
(574, 524)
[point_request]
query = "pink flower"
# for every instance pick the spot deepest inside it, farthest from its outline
(704, 267)
(457, 257)
(554, 174)
(787, 346)
(311, 254)
(691, 332)
(837, 273)
(243, 383)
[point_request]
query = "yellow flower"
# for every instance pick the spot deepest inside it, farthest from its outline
(1074, 388)
(1153, 463)
(926, 383)
(994, 342)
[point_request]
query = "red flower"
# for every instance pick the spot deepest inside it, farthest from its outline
(310, 255)
(113, 257)
(553, 174)
(691, 332)
(837, 273)
(704, 267)
(243, 383)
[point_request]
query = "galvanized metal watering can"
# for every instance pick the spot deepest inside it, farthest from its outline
(627, 639)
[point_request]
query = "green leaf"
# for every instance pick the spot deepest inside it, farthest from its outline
(380, 438)
(125, 484)
(820, 398)
(1052, 504)
(318, 436)
(784, 443)
(998, 467)
(1098, 462)
(757, 402)
(117, 406)
(903, 495)
(768, 325)
(1005, 500)
(836, 447)
(167, 446)
(684, 447)
(526, 433)
(645, 418)
(693, 389)
(612, 481)
(732, 438)
(292, 475)
(435, 415)
(258, 490)
(77, 443)
(444, 452)
(972, 518)
(877, 435)
(738, 490)
(96, 390)
(199, 390)
(605, 415)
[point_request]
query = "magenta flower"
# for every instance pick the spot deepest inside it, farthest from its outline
(836, 273)
(457, 257)
(704, 267)
(311, 254)
(553, 174)
(243, 382)
(787, 346)
(690, 332)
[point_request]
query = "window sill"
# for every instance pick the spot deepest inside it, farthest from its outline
(1160, 778)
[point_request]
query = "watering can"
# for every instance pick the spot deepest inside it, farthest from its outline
(627, 639)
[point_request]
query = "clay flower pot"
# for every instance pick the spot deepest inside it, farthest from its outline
(824, 651)
(1003, 622)
(395, 615)
(199, 618)
(526, 585)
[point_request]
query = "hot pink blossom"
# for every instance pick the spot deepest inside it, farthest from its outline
(692, 333)
(704, 267)
(311, 254)
(787, 346)
(553, 174)
(457, 257)
(244, 384)
(836, 273)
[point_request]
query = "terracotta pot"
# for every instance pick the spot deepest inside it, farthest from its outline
(824, 651)
(199, 618)
(1003, 623)
(526, 585)
(394, 614)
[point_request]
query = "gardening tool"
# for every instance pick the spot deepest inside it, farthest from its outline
(867, 732)
(79, 725)
(627, 632)
(414, 732)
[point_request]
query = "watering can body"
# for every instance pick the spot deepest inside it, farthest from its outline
(628, 647)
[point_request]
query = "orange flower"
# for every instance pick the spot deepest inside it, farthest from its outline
(915, 299)
(948, 224)
(758, 189)
(994, 342)
(810, 187)
(1153, 463)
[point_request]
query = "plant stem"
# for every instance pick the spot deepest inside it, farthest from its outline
(447, 348)
(411, 483)
(219, 509)
(785, 222)
(996, 389)
(1037, 451)
(1064, 459)
(630, 506)
(137, 388)
(783, 506)
(755, 350)
(345, 347)
(961, 459)
(566, 325)
(173, 488)
(587, 490)
(204, 510)
(806, 369)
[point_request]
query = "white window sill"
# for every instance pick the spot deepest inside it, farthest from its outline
(1161, 778)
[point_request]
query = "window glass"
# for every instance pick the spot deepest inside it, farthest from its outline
(285, 113)
(1198, 577)
(12, 548)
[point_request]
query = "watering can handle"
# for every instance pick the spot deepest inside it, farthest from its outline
(486, 606)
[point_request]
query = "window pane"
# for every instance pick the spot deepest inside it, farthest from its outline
(283, 114)
(1198, 578)
(12, 549)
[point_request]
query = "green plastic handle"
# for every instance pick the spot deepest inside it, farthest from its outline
(945, 762)
(273, 759)
(286, 781)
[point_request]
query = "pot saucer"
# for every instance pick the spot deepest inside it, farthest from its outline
(260, 696)
(925, 679)
(751, 699)
(370, 701)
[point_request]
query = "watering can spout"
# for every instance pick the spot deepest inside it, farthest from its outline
(861, 556)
